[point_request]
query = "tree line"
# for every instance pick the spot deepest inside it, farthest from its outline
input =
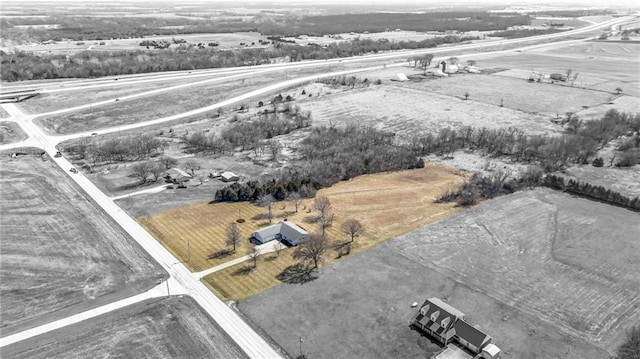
(329, 155)
(578, 145)
(129, 148)
(514, 34)
(23, 65)
(84, 28)
(591, 191)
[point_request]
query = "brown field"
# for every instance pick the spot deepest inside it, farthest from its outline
(547, 275)
(407, 111)
(157, 328)
(11, 132)
(387, 205)
(60, 254)
(515, 94)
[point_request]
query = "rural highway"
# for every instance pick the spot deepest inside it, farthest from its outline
(185, 281)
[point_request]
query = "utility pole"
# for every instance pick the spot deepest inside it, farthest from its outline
(168, 294)
(301, 355)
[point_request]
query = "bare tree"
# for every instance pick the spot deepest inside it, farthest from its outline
(267, 201)
(322, 205)
(326, 222)
(295, 199)
(466, 95)
(312, 250)
(352, 228)
(168, 162)
(233, 235)
(141, 171)
(192, 166)
(274, 147)
(278, 247)
(471, 63)
(618, 90)
(254, 254)
(156, 170)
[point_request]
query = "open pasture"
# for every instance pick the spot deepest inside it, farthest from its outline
(156, 328)
(60, 254)
(3, 113)
(545, 274)
(602, 66)
(387, 205)
(516, 94)
(11, 132)
(407, 111)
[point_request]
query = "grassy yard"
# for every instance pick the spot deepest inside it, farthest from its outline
(387, 204)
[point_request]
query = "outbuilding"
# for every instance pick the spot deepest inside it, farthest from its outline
(176, 175)
(229, 177)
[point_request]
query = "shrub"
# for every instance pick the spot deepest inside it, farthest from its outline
(598, 162)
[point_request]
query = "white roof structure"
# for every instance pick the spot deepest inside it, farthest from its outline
(284, 231)
(229, 176)
(401, 77)
(447, 307)
(491, 349)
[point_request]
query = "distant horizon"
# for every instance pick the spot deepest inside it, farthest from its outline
(562, 3)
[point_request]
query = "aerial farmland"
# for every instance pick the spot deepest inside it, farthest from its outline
(238, 180)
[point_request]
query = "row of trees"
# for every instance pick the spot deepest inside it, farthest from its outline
(329, 155)
(22, 65)
(513, 34)
(591, 191)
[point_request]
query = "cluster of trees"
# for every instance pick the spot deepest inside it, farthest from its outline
(630, 349)
(489, 186)
(591, 191)
(350, 81)
(379, 22)
(129, 148)
(330, 155)
(252, 133)
(579, 145)
(513, 34)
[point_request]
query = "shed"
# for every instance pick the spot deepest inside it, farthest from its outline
(401, 77)
(177, 175)
(491, 351)
(229, 177)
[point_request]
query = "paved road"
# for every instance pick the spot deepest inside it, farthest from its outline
(158, 291)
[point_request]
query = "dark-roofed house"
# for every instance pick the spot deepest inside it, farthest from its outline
(177, 175)
(286, 232)
(446, 324)
(470, 337)
(437, 319)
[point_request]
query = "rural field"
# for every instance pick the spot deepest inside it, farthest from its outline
(387, 205)
(408, 111)
(3, 113)
(514, 93)
(11, 132)
(592, 60)
(60, 254)
(623, 180)
(156, 328)
(546, 274)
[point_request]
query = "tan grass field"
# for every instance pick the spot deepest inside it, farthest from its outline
(388, 205)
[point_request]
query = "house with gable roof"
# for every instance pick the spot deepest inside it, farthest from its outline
(286, 232)
(446, 324)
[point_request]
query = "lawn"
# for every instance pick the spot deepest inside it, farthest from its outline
(546, 274)
(157, 328)
(60, 254)
(387, 205)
